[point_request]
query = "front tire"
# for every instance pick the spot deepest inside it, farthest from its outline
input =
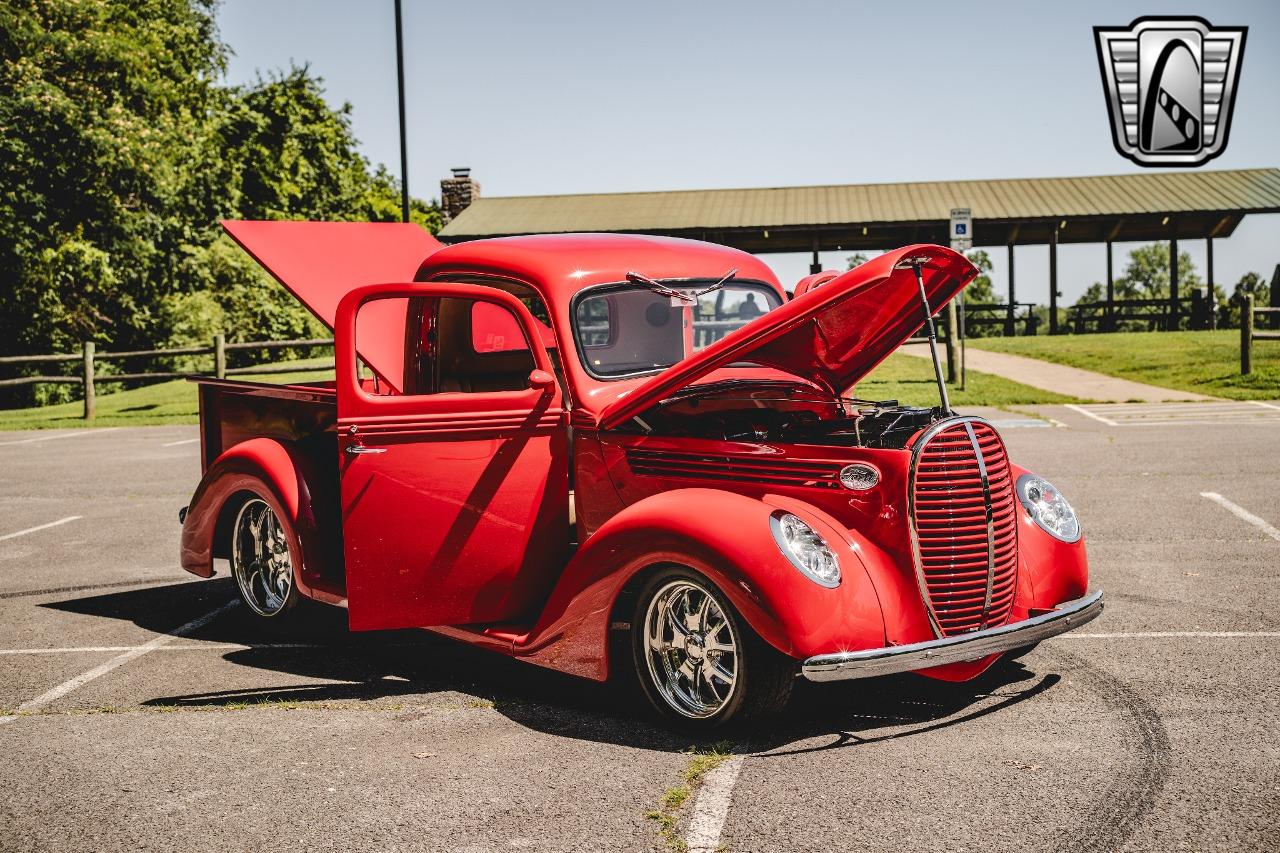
(698, 663)
(262, 560)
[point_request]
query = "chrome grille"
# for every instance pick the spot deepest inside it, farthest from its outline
(964, 532)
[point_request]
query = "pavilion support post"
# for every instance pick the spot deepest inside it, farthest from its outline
(1009, 319)
(1208, 253)
(1212, 315)
(816, 265)
(1110, 321)
(1053, 280)
(1275, 298)
(1246, 333)
(1174, 307)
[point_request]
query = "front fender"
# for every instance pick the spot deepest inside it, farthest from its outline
(1053, 571)
(283, 476)
(726, 537)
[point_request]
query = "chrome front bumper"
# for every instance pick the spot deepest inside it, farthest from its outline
(838, 666)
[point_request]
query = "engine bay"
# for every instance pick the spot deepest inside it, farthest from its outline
(768, 412)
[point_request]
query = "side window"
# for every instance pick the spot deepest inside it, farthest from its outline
(525, 293)
(380, 345)
(441, 345)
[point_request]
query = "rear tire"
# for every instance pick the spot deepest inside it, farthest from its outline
(262, 560)
(698, 663)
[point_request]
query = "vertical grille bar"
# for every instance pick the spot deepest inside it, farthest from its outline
(991, 530)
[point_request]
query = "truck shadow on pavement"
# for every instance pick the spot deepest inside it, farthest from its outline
(315, 659)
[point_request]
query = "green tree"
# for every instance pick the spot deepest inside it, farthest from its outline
(287, 155)
(980, 292)
(381, 203)
(1252, 282)
(105, 135)
(119, 153)
(1146, 277)
(1229, 306)
(855, 260)
(290, 154)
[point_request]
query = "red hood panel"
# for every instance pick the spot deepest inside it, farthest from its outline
(832, 336)
(319, 262)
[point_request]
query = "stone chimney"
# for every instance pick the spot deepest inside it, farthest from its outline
(458, 192)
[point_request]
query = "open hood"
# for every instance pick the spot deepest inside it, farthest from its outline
(832, 335)
(320, 262)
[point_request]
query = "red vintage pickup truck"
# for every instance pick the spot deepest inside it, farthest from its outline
(624, 454)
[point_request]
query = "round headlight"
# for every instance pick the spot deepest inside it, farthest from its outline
(806, 549)
(1048, 508)
(859, 477)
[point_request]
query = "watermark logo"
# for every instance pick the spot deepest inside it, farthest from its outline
(1170, 85)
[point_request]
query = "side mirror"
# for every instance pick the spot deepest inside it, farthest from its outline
(541, 380)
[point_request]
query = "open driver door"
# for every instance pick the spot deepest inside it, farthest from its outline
(454, 476)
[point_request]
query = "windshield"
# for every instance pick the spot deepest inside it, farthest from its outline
(627, 330)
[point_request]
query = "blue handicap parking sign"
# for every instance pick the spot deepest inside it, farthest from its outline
(962, 228)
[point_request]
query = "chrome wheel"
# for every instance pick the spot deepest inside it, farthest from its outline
(260, 559)
(691, 648)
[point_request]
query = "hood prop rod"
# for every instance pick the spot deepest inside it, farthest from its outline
(916, 264)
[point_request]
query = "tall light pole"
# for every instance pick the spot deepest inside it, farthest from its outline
(404, 151)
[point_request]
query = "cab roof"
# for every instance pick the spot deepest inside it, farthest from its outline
(563, 264)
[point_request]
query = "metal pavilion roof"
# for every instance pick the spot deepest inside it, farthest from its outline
(1139, 206)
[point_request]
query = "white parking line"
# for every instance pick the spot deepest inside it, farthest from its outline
(1088, 414)
(57, 436)
(1201, 422)
(1016, 423)
(184, 441)
(38, 527)
(1211, 413)
(1147, 635)
(1240, 512)
(712, 807)
(119, 660)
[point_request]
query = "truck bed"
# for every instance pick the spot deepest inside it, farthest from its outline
(232, 411)
(303, 417)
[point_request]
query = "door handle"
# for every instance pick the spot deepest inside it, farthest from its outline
(357, 449)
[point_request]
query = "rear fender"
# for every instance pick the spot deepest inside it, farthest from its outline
(284, 477)
(727, 538)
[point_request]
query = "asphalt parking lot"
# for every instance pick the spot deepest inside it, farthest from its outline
(142, 712)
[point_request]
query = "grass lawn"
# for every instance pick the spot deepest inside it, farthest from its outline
(909, 380)
(900, 377)
(173, 402)
(1203, 362)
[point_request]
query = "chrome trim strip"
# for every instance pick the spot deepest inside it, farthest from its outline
(991, 526)
(916, 557)
(839, 666)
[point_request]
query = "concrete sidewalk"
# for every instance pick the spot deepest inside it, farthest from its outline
(1071, 381)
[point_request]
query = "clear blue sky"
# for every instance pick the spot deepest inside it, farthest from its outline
(565, 97)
